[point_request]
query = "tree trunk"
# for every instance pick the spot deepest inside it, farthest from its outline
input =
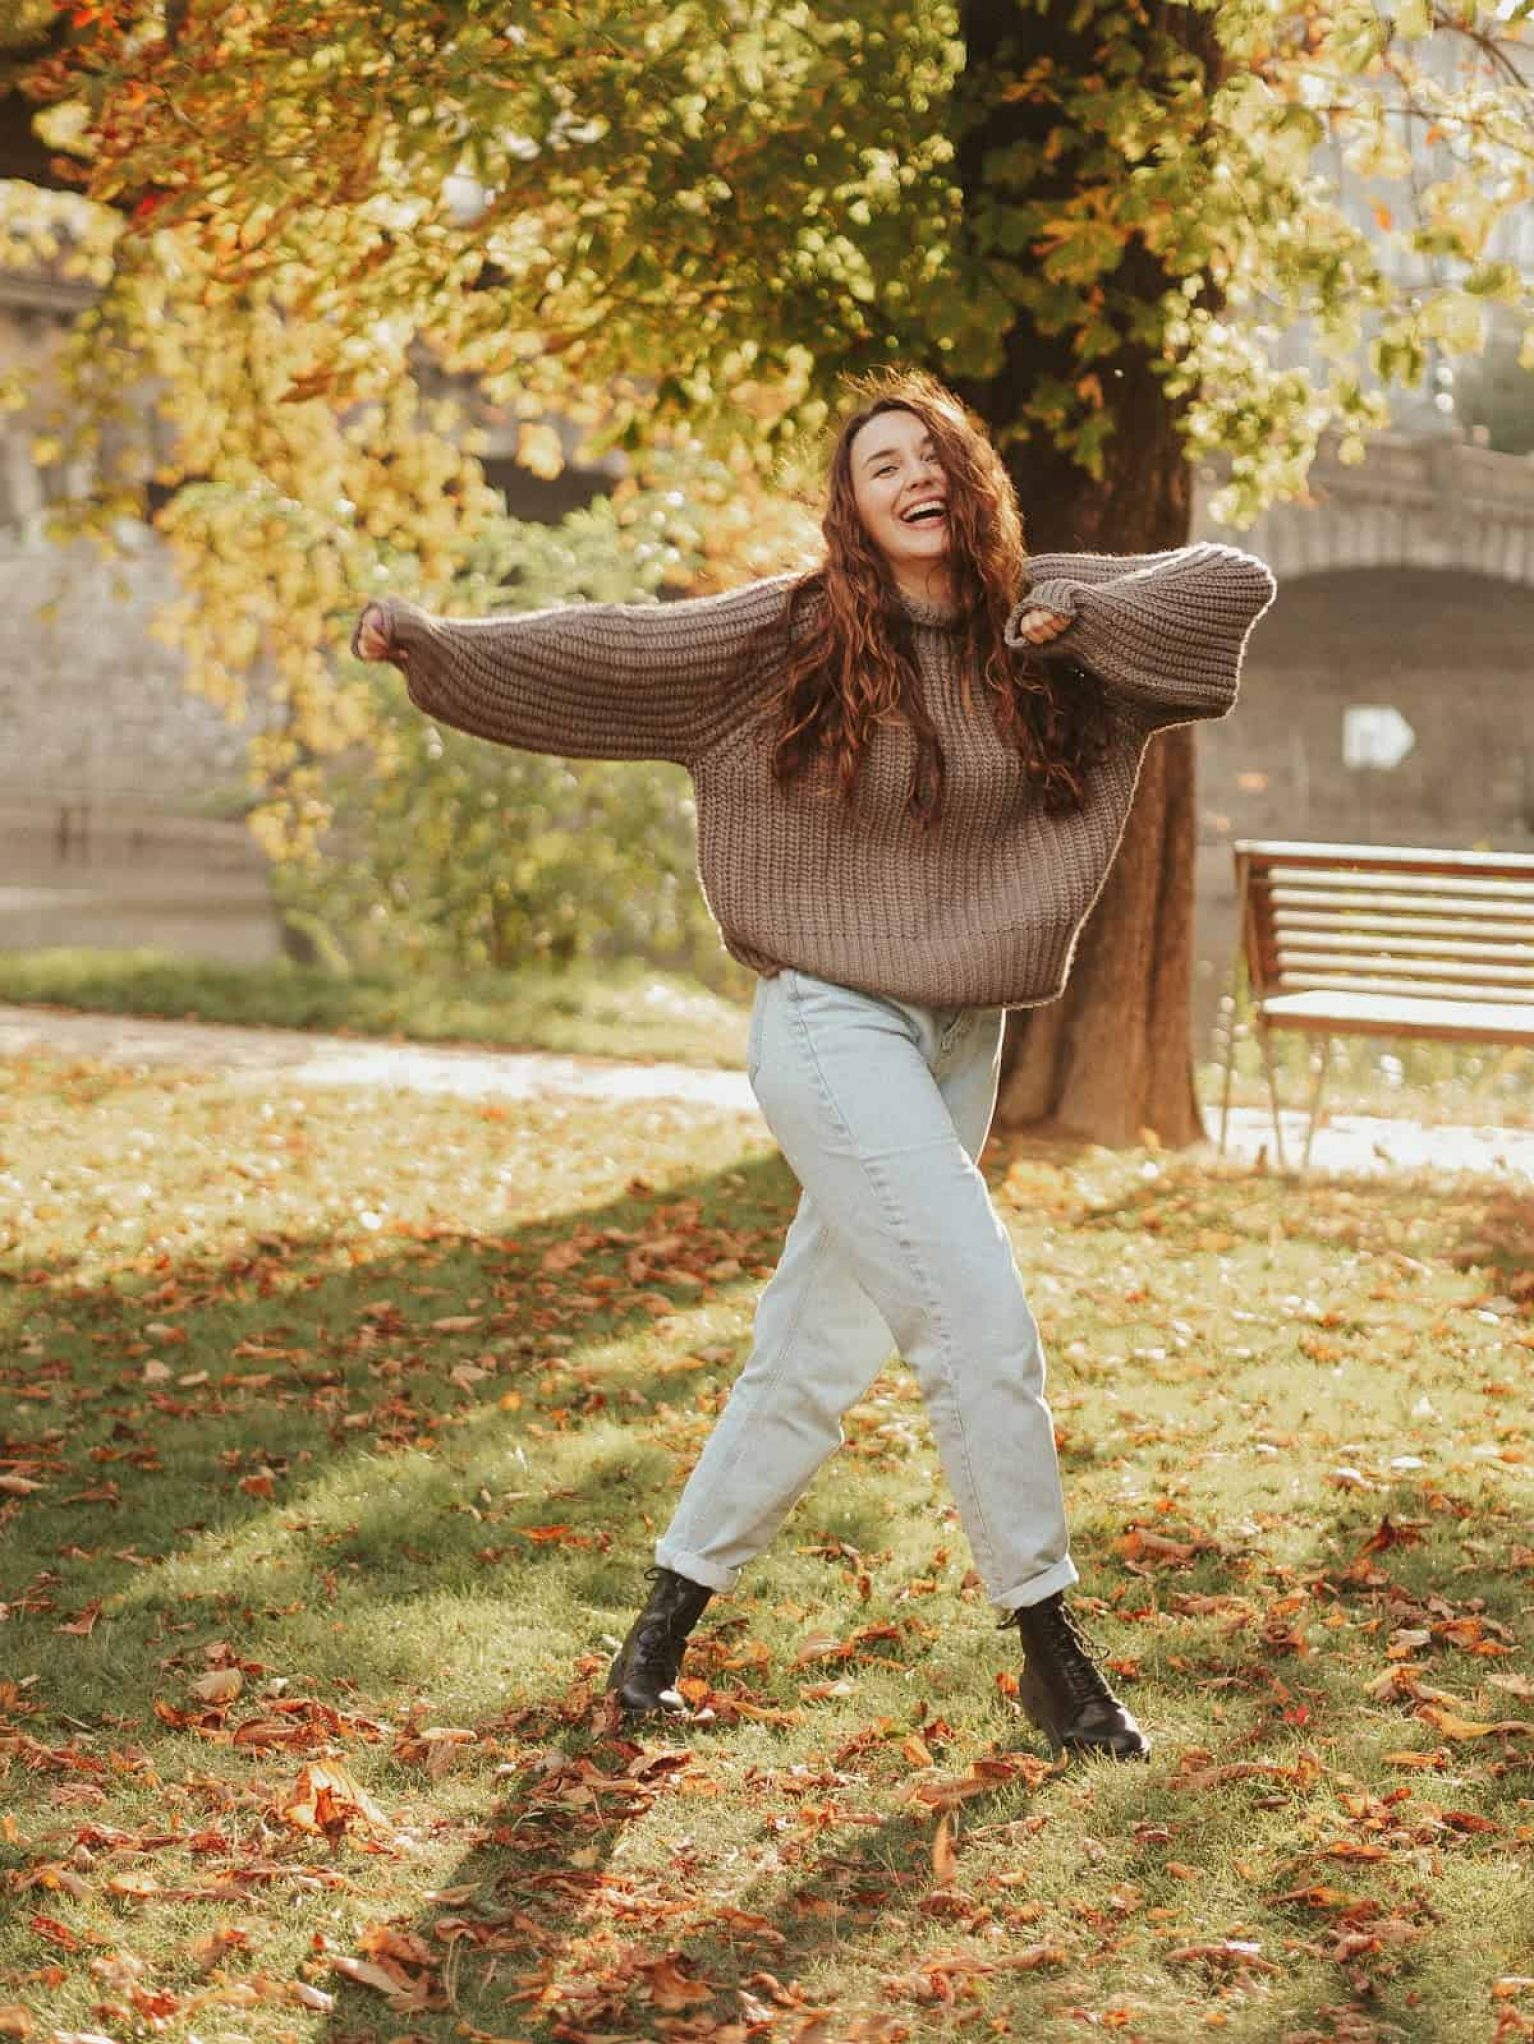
(1111, 1058)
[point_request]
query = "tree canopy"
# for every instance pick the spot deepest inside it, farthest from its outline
(678, 224)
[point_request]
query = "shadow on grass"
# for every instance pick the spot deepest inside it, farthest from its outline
(574, 1919)
(281, 1420)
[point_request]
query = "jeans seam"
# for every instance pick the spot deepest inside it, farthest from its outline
(892, 1212)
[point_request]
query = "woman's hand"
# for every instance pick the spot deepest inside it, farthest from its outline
(1038, 627)
(372, 639)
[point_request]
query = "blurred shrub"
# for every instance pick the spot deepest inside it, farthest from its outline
(450, 854)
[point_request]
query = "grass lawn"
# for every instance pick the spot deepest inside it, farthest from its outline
(624, 1009)
(337, 1432)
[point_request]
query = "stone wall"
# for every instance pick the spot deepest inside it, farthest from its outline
(1453, 653)
(91, 707)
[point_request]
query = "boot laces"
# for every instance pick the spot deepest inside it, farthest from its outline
(1075, 1651)
(1078, 1656)
(658, 1638)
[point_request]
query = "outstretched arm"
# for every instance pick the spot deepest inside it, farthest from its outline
(1166, 630)
(581, 680)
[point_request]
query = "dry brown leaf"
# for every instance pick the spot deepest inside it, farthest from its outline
(412, 1993)
(384, 1942)
(1234, 1954)
(219, 1685)
(1454, 1727)
(1319, 1896)
(821, 1646)
(15, 2021)
(326, 1799)
(267, 1732)
(750, 1923)
(945, 1862)
(670, 1987)
(212, 1947)
(1033, 1956)
(1139, 1544)
(1235, 1770)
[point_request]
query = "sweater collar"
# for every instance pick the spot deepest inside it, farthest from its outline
(921, 612)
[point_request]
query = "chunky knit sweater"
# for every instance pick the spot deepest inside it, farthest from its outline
(984, 909)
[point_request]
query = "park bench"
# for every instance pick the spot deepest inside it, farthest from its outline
(1375, 940)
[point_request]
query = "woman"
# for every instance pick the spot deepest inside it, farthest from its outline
(912, 769)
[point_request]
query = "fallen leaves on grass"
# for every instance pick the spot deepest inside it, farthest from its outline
(670, 1986)
(395, 1963)
(1454, 1727)
(985, 1775)
(942, 1980)
(1225, 1955)
(1301, 1772)
(326, 1799)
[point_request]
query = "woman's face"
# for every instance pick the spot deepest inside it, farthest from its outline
(895, 471)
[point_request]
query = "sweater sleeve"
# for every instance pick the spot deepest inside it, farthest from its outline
(1168, 631)
(587, 680)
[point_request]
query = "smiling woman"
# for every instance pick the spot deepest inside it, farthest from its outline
(893, 913)
(922, 522)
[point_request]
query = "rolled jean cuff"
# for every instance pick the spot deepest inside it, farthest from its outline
(695, 1568)
(1037, 1588)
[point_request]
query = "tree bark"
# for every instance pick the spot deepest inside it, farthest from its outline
(1111, 1059)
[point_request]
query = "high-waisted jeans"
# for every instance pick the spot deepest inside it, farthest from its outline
(881, 1108)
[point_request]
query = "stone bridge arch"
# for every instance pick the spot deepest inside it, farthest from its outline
(1438, 503)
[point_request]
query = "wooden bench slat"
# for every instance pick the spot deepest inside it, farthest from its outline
(1406, 912)
(1407, 929)
(1382, 983)
(1385, 858)
(1384, 944)
(1433, 891)
(1293, 959)
(1383, 1014)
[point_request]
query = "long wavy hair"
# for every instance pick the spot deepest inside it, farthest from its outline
(851, 663)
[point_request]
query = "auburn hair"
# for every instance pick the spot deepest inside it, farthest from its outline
(846, 642)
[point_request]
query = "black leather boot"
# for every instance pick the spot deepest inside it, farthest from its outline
(646, 1666)
(1062, 1689)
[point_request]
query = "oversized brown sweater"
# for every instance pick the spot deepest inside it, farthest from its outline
(984, 909)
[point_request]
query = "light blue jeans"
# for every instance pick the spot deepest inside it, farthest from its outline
(881, 1108)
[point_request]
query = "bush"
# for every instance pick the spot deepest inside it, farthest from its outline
(450, 854)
